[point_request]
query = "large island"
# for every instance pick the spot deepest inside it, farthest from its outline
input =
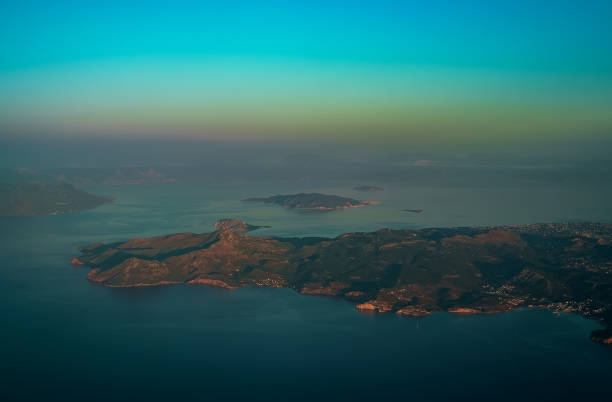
(563, 267)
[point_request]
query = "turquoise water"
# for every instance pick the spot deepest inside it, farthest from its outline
(63, 338)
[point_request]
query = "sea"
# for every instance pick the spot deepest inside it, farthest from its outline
(63, 338)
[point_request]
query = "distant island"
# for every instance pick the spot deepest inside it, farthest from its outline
(416, 211)
(83, 177)
(312, 201)
(370, 189)
(562, 267)
(113, 177)
(41, 198)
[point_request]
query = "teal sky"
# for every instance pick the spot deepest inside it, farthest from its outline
(389, 72)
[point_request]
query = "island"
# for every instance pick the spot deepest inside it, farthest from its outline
(563, 267)
(113, 177)
(368, 189)
(42, 198)
(85, 177)
(312, 201)
(416, 211)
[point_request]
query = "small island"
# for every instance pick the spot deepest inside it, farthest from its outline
(312, 201)
(562, 267)
(368, 189)
(415, 211)
(41, 198)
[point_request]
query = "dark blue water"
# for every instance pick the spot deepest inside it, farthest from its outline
(63, 338)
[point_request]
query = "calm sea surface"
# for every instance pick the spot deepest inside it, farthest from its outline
(63, 338)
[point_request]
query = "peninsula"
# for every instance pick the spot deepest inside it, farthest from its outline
(311, 201)
(562, 267)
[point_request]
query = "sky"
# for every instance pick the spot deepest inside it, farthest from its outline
(391, 73)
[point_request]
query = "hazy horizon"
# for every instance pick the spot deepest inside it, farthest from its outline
(472, 75)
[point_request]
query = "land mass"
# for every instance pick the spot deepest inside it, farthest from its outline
(370, 189)
(84, 177)
(41, 198)
(236, 225)
(562, 267)
(113, 177)
(311, 201)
